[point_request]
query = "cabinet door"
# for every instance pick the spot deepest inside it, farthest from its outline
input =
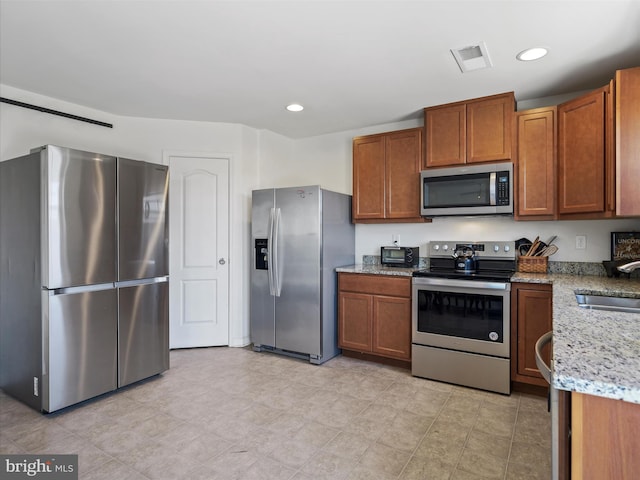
(402, 173)
(604, 438)
(392, 327)
(581, 154)
(368, 177)
(445, 135)
(489, 128)
(355, 311)
(533, 318)
(627, 108)
(536, 140)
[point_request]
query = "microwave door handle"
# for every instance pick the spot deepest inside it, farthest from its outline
(492, 188)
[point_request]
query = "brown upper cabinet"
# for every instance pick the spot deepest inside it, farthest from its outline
(386, 177)
(627, 141)
(585, 165)
(473, 131)
(536, 164)
(597, 159)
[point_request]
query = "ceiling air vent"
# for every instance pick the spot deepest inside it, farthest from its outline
(473, 57)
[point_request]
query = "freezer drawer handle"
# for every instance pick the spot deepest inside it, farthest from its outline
(81, 289)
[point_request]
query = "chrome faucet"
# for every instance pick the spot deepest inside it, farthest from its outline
(629, 267)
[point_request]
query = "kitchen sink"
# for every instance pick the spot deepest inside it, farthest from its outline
(602, 302)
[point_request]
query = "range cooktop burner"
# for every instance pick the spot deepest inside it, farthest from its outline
(495, 261)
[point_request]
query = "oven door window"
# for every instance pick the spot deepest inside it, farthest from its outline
(464, 315)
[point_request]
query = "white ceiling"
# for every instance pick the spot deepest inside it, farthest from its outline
(352, 64)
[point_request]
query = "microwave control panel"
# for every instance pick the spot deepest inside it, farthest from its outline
(502, 180)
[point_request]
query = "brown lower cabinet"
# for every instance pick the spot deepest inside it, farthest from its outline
(374, 315)
(531, 317)
(605, 438)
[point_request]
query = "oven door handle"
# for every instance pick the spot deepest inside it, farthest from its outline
(471, 285)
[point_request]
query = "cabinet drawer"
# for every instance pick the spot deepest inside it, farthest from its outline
(375, 284)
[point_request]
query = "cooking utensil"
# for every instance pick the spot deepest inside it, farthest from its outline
(541, 246)
(533, 248)
(547, 251)
(524, 248)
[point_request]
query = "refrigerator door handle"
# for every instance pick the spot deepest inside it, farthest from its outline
(271, 265)
(277, 282)
(142, 281)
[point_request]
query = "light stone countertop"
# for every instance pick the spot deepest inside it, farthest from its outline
(595, 352)
(377, 269)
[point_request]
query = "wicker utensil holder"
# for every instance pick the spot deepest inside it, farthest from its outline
(533, 264)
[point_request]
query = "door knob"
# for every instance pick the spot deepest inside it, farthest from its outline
(221, 261)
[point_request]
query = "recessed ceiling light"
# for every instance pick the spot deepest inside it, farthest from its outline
(295, 107)
(531, 54)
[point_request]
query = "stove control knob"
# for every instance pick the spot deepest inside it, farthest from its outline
(445, 247)
(496, 248)
(436, 247)
(507, 248)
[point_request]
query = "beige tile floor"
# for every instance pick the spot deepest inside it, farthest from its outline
(231, 413)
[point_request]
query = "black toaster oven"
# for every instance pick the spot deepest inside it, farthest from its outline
(399, 256)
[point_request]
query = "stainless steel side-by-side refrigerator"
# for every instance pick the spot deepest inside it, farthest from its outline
(299, 236)
(83, 275)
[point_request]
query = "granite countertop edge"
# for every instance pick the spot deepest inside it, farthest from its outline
(594, 352)
(378, 269)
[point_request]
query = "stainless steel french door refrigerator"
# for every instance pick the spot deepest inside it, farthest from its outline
(83, 275)
(299, 236)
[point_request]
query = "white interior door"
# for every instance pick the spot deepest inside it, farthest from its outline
(198, 251)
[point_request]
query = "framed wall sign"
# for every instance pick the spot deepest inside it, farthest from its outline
(625, 245)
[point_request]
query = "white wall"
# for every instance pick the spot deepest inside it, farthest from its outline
(147, 139)
(369, 238)
(324, 160)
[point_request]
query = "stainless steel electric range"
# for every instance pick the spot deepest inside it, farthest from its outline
(461, 314)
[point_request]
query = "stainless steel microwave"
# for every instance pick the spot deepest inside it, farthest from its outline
(485, 189)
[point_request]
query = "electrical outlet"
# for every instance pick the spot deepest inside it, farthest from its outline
(581, 242)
